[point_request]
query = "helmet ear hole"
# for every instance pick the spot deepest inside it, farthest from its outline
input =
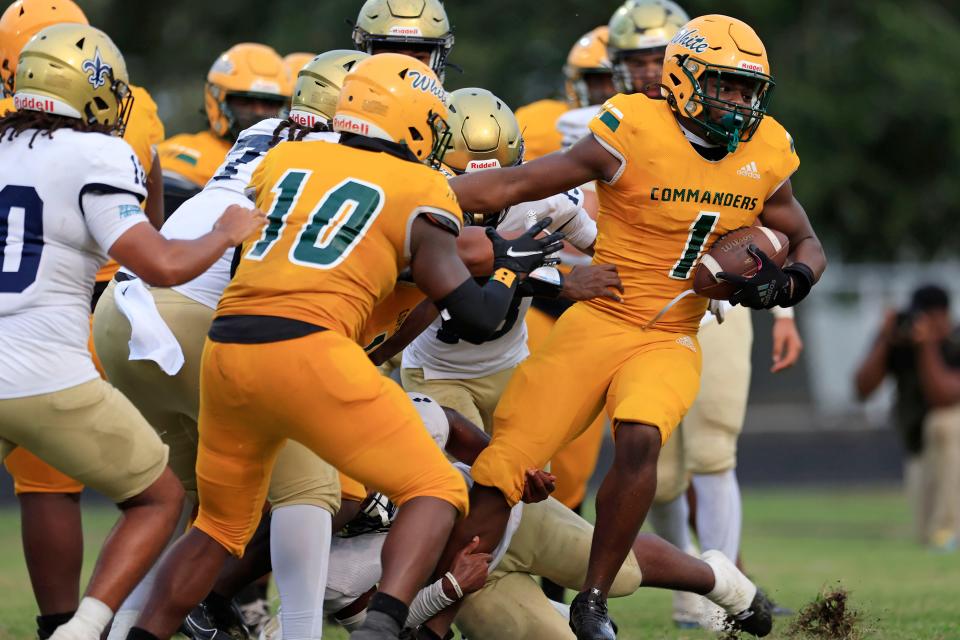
(100, 102)
(415, 134)
(675, 80)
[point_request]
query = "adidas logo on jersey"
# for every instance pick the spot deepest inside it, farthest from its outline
(749, 170)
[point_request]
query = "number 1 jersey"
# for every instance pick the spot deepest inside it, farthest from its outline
(337, 233)
(668, 203)
(54, 236)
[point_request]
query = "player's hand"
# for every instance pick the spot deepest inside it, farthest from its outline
(470, 568)
(769, 287)
(787, 344)
(592, 281)
(238, 223)
(527, 252)
(538, 485)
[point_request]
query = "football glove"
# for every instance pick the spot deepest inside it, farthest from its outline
(526, 253)
(771, 286)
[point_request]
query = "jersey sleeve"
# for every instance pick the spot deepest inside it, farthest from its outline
(145, 129)
(784, 157)
(439, 203)
(611, 129)
(113, 167)
(109, 215)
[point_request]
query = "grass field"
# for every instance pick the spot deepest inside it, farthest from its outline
(795, 543)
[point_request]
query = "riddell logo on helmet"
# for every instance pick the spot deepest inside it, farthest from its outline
(397, 30)
(303, 118)
(750, 66)
(30, 103)
(350, 125)
(691, 40)
(480, 165)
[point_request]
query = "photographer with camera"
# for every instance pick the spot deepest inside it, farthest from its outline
(921, 350)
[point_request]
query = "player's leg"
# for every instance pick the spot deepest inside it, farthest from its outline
(942, 435)
(552, 397)
(52, 534)
(712, 427)
(92, 433)
(511, 605)
(304, 495)
(455, 394)
(647, 398)
(370, 430)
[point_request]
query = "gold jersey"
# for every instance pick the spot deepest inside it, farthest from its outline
(667, 204)
(538, 123)
(389, 314)
(194, 156)
(337, 234)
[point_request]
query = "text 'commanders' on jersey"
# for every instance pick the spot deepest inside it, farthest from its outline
(336, 239)
(670, 203)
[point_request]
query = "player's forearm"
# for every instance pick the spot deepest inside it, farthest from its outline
(810, 252)
(466, 440)
(941, 385)
(474, 311)
(179, 261)
(415, 323)
(153, 206)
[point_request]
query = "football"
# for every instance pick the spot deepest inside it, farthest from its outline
(729, 254)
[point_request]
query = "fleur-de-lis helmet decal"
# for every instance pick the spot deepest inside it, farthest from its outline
(98, 70)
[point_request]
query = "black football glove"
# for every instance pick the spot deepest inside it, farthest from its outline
(771, 286)
(526, 253)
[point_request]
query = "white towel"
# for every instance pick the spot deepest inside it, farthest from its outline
(150, 337)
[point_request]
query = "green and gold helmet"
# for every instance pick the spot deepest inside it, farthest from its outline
(317, 90)
(74, 70)
(485, 133)
(385, 25)
(641, 25)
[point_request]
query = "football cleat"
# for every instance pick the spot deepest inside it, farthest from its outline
(216, 619)
(757, 619)
(589, 619)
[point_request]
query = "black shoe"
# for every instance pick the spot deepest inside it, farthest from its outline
(589, 619)
(758, 619)
(216, 619)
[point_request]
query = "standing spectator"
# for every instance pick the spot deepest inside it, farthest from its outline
(920, 348)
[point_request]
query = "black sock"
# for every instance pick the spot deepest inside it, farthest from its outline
(217, 601)
(47, 624)
(389, 605)
(136, 633)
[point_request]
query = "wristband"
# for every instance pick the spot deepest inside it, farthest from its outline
(780, 313)
(802, 277)
(455, 584)
(504, 276)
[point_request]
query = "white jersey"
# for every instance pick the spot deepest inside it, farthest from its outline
(575, 124)
(228, 185)
(63, 203)
(442, 356)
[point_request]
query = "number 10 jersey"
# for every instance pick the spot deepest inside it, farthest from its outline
(337, 233)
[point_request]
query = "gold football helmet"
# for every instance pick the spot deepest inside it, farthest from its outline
(641, 26)
(318, 86)
(246, 70)
(405, 25)
(484, 132)
(21, 21)
(74, 70)
(705, 53)
(398, 99)
(588, 60)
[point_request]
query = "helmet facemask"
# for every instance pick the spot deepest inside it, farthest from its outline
(124, 104)
(736, 122)
(439, 47)
(440, 130)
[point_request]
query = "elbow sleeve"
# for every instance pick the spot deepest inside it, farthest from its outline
(475, 312)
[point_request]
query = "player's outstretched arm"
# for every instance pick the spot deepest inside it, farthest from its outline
(784, 213)
(497, 189)
(162, 262)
